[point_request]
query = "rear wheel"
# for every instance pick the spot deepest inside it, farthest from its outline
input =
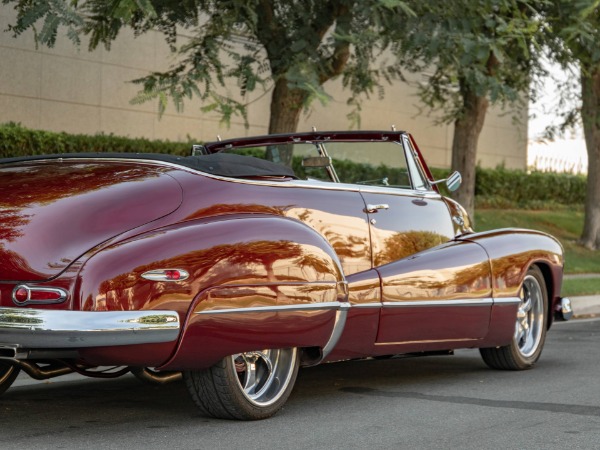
(8, 374)
(530, 328)
(246, 386)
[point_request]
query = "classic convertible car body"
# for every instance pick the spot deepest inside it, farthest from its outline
(235, 270)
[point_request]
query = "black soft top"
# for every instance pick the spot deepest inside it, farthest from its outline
(223, 164)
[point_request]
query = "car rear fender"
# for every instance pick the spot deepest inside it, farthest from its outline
(253, 280)
(512, 252)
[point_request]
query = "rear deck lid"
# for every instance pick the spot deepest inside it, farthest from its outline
(52, 212)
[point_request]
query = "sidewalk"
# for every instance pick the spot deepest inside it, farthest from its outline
(586, 306)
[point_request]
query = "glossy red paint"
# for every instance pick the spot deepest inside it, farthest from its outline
(60, 210)
(513, 251)
(364, 294)
(272, 262)
(448, 288)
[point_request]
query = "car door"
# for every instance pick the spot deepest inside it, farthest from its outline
(434, 289)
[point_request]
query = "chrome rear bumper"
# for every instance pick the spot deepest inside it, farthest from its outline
(52, 329)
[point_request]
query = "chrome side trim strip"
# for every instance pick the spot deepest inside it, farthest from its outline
(429, 303)
(507, 301)
(40, 328)
(433, 341)
(367, 305)
(282, 308)
(338, 329)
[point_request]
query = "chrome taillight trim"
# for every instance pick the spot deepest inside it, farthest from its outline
(161, 275)
(62, 295)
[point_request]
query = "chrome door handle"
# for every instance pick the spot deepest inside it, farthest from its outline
(375, 208)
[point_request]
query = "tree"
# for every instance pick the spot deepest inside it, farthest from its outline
(291, 47)
(478, 53)
(572, 34)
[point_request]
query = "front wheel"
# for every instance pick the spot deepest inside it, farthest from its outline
(530, 328)
(246, 386)
(8, 374)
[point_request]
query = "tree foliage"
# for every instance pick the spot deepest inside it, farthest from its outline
(572, 34)
(476, 53)
(291, 48)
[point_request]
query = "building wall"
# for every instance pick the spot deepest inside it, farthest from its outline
(76, 91)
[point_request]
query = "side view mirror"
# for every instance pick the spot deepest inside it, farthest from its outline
(453, 182)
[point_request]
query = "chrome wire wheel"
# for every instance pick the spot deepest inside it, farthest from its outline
(265, 375)
(530, 317)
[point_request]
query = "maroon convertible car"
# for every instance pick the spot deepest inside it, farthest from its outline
(252, 257)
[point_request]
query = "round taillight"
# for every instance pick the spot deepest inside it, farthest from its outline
(24, 295)
(21, 294)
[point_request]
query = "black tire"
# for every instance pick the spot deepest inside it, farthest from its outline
(530, 328)
(247, 386)
(155, 377)
(8, 375)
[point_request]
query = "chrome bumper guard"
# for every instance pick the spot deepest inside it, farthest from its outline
(53, 329)
(566, 309)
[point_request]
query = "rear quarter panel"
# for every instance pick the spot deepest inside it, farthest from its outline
(239, 262)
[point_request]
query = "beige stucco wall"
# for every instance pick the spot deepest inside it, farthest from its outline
(73, 90)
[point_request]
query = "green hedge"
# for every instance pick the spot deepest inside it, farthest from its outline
(500, 187)
(16, 140)
(495, 187)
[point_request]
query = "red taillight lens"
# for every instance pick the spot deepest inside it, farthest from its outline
(21, 294)
(173, 275)
(166, 275)
(24, 294)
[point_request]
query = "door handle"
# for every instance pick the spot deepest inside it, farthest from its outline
(375, 208)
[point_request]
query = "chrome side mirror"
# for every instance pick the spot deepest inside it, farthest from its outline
(453, 182)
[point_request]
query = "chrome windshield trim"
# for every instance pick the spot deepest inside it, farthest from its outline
(429, 303)
(40, 328)
(281, 308)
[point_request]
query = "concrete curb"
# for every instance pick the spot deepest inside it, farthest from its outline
(586, 306)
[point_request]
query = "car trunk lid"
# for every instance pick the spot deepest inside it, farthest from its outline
(52, 212)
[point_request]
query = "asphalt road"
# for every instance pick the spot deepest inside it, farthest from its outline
(434, 402)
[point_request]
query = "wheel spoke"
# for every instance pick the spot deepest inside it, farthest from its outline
(529, 317)
(264, 375)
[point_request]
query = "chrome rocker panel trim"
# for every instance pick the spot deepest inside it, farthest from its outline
(40, 328)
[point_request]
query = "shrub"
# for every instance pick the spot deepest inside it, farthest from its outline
(16, 140)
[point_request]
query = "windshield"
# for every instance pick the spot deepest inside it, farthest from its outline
(365, 163)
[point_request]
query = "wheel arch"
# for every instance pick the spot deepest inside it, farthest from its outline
(550, 287)
(234, 262)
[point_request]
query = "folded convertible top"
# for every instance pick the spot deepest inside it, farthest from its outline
(223, 164)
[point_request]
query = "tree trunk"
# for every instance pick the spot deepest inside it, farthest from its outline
(286, 107)
(590, 114)
(464, 146)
